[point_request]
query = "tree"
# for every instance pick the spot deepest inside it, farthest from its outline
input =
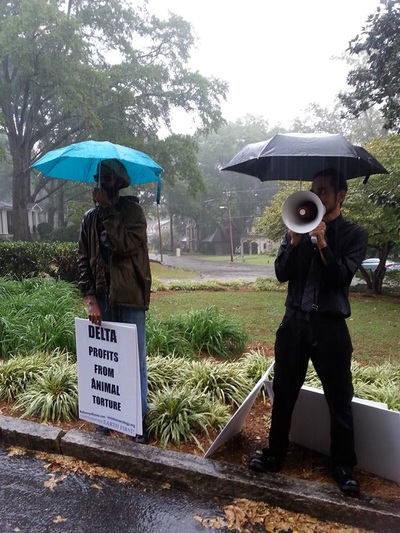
(92, 69)
(357, 130)
(248, 195)
(270, 222)
(378, 80)
(376, 206)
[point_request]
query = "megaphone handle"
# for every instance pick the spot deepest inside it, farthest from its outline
(314, 240)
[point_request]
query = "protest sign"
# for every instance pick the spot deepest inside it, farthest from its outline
(235, 424)
(109, 376)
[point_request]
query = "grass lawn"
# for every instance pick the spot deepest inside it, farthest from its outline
(165, 272)
(374, 324)
(249, 259)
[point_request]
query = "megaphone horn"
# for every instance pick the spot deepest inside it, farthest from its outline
(302, 211)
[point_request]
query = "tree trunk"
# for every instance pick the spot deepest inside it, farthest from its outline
(377, 279)
(60, 208)
(21, 194)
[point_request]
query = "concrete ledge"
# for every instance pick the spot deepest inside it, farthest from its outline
(31, 435)
(217, 478)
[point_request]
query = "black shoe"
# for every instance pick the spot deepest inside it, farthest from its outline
(265, 462)
(144, 438)
(101, 430)
(343, 476)
(141, 439)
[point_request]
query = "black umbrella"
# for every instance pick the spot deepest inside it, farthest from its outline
(299, 156)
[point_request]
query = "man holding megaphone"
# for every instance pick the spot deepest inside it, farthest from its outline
(318, 257)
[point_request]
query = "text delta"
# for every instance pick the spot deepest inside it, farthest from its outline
(101, 333)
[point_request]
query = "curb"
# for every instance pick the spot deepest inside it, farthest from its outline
(206, 476)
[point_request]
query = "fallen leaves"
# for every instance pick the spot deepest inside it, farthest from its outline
(59, 519)
(244, 513)
(16, 450)
(64, 463)
(52, 482)
(215, 523)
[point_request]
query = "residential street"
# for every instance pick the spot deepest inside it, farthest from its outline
(218, 270)
(37, 498)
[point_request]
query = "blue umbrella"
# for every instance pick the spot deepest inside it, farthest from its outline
(78, 162)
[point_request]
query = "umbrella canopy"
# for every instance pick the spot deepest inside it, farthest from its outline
(299, 156)
(78, 162)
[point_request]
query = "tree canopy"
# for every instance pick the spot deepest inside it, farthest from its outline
(376, 206)
(78, 69)
(377, 80)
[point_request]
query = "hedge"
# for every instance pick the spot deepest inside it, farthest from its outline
(20, 260)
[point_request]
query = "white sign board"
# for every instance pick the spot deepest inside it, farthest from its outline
(109, 375)
(376, 431)
(235, 424)
(376, 428)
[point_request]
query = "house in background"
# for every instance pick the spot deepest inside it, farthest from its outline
(156, 231)
(253, 243)
(153, 229)
(191, 240)
(218, 243)
(35, 217)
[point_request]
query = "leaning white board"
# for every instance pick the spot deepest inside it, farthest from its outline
(235, 424)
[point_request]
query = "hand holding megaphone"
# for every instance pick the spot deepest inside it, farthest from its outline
(302, 211)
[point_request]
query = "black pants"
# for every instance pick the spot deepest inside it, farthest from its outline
(326, 341)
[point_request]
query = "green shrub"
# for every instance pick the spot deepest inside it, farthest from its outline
(20, 260)
(44, 230)
(164, 338)
(64, 261)
(166, 371)
(53, 395)
(212, 332)
(18, 372)
(178, 413)
(380, 383)
(37, 315)
(269, 284)
(205, 331)
(224, 382)
(255, 365)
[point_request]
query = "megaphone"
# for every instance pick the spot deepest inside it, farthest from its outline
(302, 211)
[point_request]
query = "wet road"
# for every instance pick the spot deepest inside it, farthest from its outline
(224, 270)
(219, 270)
(83, 504)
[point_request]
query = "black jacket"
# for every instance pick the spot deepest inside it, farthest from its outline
(347, 245)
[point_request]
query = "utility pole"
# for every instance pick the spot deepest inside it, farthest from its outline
(159, 233)
(228, 207)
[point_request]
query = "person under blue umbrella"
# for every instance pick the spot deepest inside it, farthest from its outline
(113, 263)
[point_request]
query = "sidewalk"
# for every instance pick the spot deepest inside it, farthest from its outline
(192, 473)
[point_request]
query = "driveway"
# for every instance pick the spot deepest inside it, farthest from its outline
(218, 270)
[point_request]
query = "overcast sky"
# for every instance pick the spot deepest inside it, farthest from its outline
(277, 55)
